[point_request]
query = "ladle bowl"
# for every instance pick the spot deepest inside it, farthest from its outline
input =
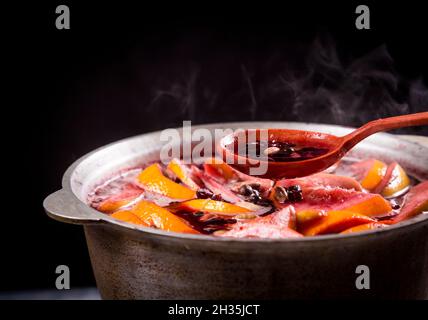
(337, 146)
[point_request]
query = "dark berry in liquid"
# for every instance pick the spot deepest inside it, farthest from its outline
(287, 152)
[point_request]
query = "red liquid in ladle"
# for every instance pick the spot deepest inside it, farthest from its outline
(281, 151)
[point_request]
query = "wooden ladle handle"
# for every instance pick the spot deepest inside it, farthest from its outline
(415, 119)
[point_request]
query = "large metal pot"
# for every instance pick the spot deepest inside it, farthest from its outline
(132, 262)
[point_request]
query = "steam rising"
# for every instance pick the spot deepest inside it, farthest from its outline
(329, 91)
(316, 86)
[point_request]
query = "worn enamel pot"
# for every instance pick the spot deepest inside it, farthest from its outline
(131, 262)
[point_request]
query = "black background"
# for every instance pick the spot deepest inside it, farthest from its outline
(124, 69)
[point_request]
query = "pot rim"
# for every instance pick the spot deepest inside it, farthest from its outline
(93, 216)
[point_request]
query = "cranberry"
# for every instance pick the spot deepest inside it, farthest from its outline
(294, 193)
(204, 193)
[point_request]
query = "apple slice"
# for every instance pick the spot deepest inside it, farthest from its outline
(415, 202)
(278, 225)
(113, 203)
(322, 179)
(333, 199)
(222, 172)
(260, 230)
(217, 188)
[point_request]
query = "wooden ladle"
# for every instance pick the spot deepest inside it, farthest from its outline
(337, 146)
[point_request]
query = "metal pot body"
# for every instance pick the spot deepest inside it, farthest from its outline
(130, 266)
(133, 262)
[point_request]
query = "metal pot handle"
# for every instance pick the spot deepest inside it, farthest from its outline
(61, 205)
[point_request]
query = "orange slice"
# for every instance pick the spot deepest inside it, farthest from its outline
(110, 205)
(364, 227)
(181, 173)
(306, 217)
(374, 175)
(335, 222)
(128, 216)
(397, 182)
(372, 206)
(152, 179)
(158, 217)
(222, 169)
(210, 206)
